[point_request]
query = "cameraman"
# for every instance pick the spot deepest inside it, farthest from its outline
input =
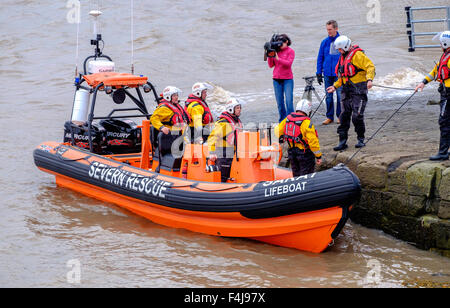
(283, 79)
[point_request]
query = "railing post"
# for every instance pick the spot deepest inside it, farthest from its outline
(410, 25)
(411, 22)
(448, 18)
(408, 16)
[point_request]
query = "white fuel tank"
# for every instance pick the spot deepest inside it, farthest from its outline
(81, 105)
(100, 66)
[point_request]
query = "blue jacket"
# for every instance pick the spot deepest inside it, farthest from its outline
(327, 59)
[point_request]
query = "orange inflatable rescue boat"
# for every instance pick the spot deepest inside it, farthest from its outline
(114, 159)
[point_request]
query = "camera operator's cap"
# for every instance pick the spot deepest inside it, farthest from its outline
(198, 88)
(343, 42)
(169, 91)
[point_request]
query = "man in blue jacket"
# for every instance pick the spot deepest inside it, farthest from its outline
(326, 64)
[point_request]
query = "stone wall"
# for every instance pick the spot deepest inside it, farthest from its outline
(404, 196)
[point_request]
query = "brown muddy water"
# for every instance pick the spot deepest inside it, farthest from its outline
(47, 231)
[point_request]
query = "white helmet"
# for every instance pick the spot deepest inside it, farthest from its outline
(231, 104)
(343, 42)
(198, 88)
(305, 106)
(445, 39)
(169, 91)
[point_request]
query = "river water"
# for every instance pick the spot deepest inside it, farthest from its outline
(48, 231)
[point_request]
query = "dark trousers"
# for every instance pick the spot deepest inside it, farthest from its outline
(354, 100)
(444, 120)
(302, 162)
(224, 161)
(329, 81)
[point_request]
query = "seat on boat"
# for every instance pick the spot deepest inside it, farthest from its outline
(169, 161)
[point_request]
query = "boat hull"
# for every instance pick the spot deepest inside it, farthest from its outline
(289, 213)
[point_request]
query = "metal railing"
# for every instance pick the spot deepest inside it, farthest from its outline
(411, 22)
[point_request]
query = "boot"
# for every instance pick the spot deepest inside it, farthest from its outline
(360, 143)
(443, 151)
(439, 156)
(342, 145)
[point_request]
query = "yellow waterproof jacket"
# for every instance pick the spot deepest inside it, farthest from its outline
(162, 116)
(196, 112)
(218, 137)
(433, 76)
(309, 135)
(361, 61)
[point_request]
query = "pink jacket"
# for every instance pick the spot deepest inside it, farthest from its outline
(283, 65)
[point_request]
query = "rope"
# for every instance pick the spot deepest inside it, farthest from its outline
(386, 87)
(376, 132)
(394, 88)
(214, 190)
(318, 106)
(60, 156)
(194, 186)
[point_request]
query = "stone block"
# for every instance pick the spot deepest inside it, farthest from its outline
(396, 178)
(372, 175)
(407, 205)
(444, 187)
(422, 179)
(444, 209)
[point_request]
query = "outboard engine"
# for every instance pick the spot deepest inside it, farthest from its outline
(122, 136)
(77, 134)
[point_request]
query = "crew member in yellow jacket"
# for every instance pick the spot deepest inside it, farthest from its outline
(441, 73)
(199, 112)
(355, 73)
(221, 141)
(169, 117)
(304, 147)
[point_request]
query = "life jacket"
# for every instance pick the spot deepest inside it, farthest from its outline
(207, 115)
(443, 70)
(179, 116)
(235, 123)
(345, 67)
(292, 129)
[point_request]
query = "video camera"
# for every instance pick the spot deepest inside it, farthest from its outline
(273, 46)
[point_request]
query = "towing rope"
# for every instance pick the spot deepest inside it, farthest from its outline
(394, 88)
(318, 106)
(371, 137)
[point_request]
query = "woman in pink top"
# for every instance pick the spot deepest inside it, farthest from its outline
(283, 79)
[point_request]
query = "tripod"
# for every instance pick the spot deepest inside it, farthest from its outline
(309, 90)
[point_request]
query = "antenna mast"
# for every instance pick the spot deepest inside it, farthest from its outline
(97, 37)
(132, 37)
